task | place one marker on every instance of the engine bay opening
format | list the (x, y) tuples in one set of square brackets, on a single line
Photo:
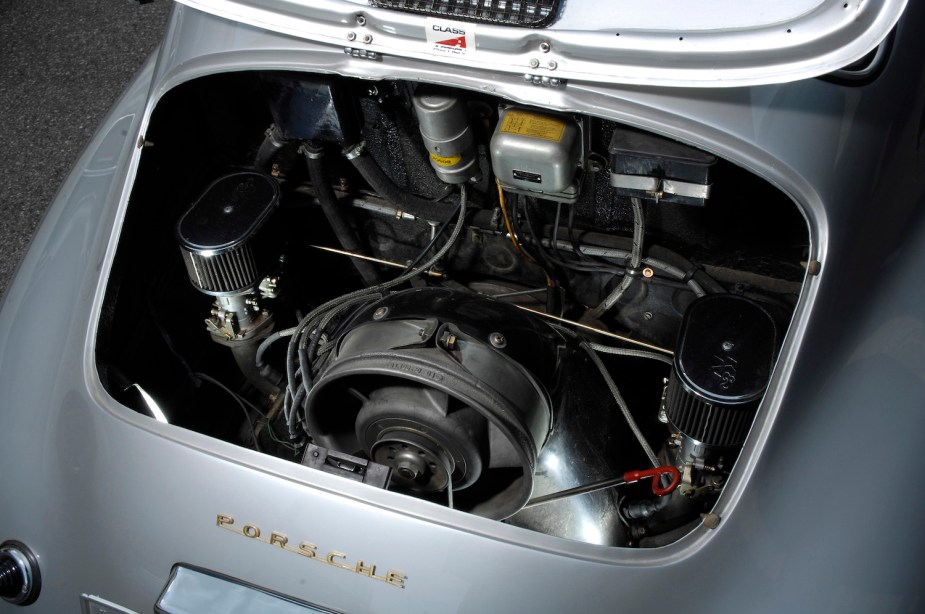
[(542, 317)]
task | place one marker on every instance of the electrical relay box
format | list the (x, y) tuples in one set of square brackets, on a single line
[(651, 167)]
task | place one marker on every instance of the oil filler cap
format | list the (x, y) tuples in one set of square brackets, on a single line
[(20, 580)]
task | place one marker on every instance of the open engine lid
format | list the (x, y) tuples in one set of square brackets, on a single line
[(681, 43)]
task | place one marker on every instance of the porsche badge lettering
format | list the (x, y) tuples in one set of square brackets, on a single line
[(310, 551)]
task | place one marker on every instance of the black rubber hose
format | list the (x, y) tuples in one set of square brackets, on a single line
[(386, 189), (269, 149), (339, 224)]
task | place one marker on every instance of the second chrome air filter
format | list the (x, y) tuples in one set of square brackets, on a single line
[(721, 369)]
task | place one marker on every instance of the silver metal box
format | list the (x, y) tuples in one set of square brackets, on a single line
[(537, 154)]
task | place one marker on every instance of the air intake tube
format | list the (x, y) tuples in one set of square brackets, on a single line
[(226, 245)]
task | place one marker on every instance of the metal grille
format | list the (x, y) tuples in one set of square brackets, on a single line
[(715, 425), (223, 273), (524, 13)]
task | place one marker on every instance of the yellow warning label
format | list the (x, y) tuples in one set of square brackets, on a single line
[(445, 160), (533, 125)]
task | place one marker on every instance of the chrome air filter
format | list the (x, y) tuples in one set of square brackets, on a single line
[(526, 13), (721, 369), (216, 234)]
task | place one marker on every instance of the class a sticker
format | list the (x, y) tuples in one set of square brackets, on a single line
[(450, 37)]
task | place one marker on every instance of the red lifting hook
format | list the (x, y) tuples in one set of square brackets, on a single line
[(656, 474), (628, 478)]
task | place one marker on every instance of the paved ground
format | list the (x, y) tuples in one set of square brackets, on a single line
[(62, 65)]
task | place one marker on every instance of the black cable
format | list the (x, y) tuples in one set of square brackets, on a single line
[(576, 246), (535, 239), (241, 399), (598, 265), (555, 228), (553, 261), (532, 244), (306, 336), (636, 257), (553, 302), (241, 403)]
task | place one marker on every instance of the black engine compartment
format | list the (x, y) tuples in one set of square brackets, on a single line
[(486, 379)]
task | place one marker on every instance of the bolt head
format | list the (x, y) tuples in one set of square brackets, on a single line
[(361, 20), (544, 47), (728, 345), (552, 65), (367, 38), (711, 521), (534, 63), (351, 36), (448, 340), (497, 340), (380, 313)]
